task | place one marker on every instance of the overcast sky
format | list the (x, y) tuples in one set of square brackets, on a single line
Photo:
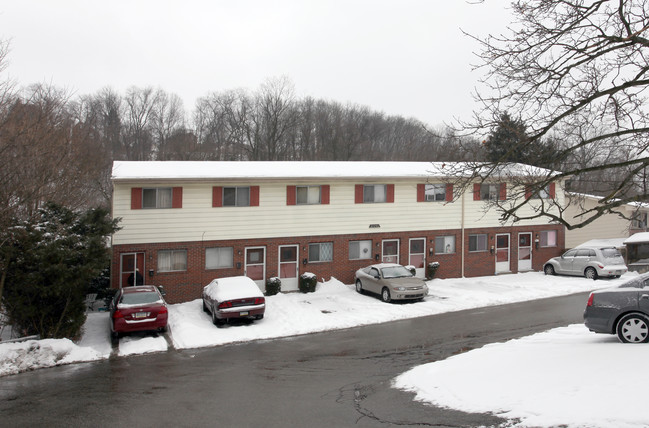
[(402, 57)]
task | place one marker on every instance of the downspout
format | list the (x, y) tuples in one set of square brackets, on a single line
[(462, 233)]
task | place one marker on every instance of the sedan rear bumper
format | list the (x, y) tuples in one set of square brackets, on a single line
[(120, 325), (241, 312)]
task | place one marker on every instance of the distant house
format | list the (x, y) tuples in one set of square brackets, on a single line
[(609, 226), (186, 223)]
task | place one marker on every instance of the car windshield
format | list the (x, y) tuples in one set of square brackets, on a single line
[(140, 298), (395, 272), (611, 253)]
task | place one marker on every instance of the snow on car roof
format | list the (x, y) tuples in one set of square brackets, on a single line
[(141, 170), (235, 287)]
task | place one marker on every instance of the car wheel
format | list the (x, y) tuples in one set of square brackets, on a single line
[(590, 273), (548, 270), (359, 286), (259, 317), (633, 328), (385, 295)]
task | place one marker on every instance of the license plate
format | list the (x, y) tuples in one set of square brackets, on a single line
[(243, 314), (140, 314)]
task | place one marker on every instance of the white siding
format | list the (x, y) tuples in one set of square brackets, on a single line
[(197, 220)]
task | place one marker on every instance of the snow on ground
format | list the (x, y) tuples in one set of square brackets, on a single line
[(581, 360), (563, 377)]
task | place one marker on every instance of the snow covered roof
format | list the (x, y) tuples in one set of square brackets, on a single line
[(610, 242), (142, 170), (637, 238)]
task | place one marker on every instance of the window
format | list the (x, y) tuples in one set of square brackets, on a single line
[(477, 243), (435, 192), (546, 192), (321, 252), (159, 197), (236, 196), (172, 260), (548, 238), (489, 192), (445, 244), (218, 258), (639, 221), (374, 193), (307, 195), (359, 250)]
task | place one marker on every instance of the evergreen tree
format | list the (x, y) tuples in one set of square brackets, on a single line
[(52, 259), (509, 142)]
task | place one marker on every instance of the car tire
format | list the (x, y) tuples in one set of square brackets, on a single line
[(385, 295), (205, 307), (260, 317), (633, 328), (590, 273), (359, 286), (548, 270)]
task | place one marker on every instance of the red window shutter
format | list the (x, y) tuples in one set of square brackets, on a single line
[(254, 196), (177, 197), (552, 190), (476, 191), (421, 192), (136, 198), (389, 197), (324, 194), (528, 192), (503, 191), (358, 194), (449, 192), (291, 196), (217, 196)]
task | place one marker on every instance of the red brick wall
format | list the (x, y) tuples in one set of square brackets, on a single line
[(187, 285)]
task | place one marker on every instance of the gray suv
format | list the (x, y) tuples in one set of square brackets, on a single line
[(591, 262)]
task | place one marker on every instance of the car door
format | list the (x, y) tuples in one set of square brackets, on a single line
[(373, 281), (580, 261), (565, 262)]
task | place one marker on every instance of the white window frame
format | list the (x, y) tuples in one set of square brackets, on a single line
[(446, 240), (544, 238), (163, 197), (375, 193), (173, 254), (435, 192), (478, 238), (313, 195), (320, 252), (223, 257), (363, 245), (241, 196)]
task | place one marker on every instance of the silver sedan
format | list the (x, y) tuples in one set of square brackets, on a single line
[(391, 281)]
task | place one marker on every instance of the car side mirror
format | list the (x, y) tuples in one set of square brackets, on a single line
[(377, 276), (162, 290)]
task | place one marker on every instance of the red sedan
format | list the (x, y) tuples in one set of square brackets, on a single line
[(138, 308)]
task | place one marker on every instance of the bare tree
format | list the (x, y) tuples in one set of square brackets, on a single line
[(141, 106), (576, 73)]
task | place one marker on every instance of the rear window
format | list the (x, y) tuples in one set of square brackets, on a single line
[(140, 298), (611, 253)]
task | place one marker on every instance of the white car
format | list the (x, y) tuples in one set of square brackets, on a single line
[(391, 281), (591, 262), (233, 297)]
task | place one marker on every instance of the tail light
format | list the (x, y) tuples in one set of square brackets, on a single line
[(226, 304), (590, 299), (118, 314), (260, 301), (163, 310)]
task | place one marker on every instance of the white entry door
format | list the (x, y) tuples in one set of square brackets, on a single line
[(289, 267), (524, 251), (255, 267), (418, 256), (502, 253)]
